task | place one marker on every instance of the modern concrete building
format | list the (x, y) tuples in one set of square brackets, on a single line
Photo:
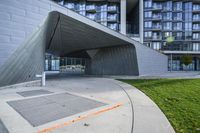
[(173, 27), (169, 26), (31, 28)]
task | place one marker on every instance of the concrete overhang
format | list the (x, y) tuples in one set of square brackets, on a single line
[(71, 35)]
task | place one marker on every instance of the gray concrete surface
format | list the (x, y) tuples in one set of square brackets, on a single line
[(44, 109), (3, 129), (33, 93), (147, 116)]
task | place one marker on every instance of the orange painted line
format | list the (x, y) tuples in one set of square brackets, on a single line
[(46, 130)]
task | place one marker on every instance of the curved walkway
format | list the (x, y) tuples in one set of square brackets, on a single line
[(126, 109)]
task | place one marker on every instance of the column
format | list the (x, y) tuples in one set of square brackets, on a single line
[(123, 17), (141, 20)]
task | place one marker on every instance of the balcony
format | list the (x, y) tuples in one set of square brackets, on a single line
[(112, 18), (156, 27), (177, 19), (112, 9), (177, 28), (91, 8), (196, 9), (196, 29), (156, 17), (156, 7), (156, 38), (196, 19)]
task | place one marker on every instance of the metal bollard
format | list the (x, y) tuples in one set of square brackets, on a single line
[(43, 78)]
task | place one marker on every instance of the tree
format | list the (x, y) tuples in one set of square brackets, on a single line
[(186, 59)]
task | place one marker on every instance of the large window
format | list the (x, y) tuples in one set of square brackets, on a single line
[(196, 7), (148, 25), (148, 14), (102, 16), (177, 26), (148, 4), (177, 6), (196, 47), (188, 6), (178, 35), (196, 36), (196, 17), (188, 26), (177, 16), (148, 35), (167, 16), (167, 6), (167, 25), (156, 45), (196, 26)]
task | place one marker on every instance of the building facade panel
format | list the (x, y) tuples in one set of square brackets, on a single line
[(171, 25)]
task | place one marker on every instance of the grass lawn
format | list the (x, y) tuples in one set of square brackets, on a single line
[(179, 99)]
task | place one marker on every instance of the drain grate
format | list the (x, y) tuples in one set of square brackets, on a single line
[(41, 110), (33, 93)]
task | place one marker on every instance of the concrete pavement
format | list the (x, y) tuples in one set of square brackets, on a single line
[(125, 108)]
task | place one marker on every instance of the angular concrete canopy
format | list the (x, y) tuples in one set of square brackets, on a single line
[(62, 32)]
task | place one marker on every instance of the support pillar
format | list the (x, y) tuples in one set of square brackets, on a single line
[(123, 17)]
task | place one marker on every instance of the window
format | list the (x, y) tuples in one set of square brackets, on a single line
[(167, 5), (156, 35), (167, 16), (102, 16), (178, 35), (112, 17), (177, 26), (178, 16), (196, 7), (188, 6), (167, 26), (81, 6), (148, 34), (196, 36), (70, 5), (147, 24), (156, 45), (157, 5), (196, 47), (167, 34), (188, 35), (157, 16), (196, 17), (102, 8), (188, 26), (147, 3), (148, 14), (177, 6), (196, 26)]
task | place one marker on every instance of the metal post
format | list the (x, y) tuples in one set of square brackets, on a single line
[(43, 79)]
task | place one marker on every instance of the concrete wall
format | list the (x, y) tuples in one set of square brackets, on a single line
[(119, 60)]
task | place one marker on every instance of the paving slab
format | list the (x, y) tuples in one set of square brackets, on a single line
[(33, 93)]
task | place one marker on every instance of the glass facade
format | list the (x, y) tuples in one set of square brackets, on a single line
[(103, 12), (53, 63), (171, 25)]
